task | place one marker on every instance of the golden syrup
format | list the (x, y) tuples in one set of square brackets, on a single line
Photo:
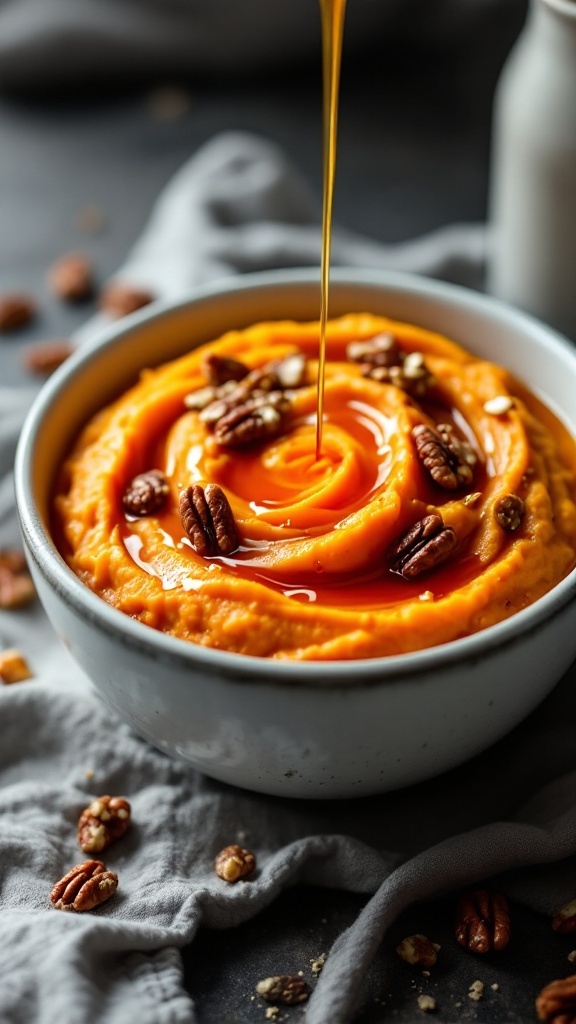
[(332, 13)]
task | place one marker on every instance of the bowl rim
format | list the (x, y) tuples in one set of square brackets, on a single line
[(156, 644)]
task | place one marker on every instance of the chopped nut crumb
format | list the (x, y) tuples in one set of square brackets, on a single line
[(417, 950), (271, 1012), (89, 773), (317, 964), (13, 666), (427, 1003), (476, 990), (495, 986), (572, 956)]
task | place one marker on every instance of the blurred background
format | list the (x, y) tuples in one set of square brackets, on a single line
[(102, 101)]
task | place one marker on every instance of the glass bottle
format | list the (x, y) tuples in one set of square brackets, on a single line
[(532, 203)]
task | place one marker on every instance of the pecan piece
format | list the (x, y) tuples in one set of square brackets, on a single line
[(463, 452), (103, 822), (84, 887), (16, 310), (381, 350), (16, 586), (284, 988), (208, 520), (565, 919), (220, 369), (426, 544), (118, 298), (13, 666), (418, 951), (70, 277), (440, 461), (411, 375), (46, 356), (146, 493), (482, 921), (234, 862), (509, 512), (556, 1002), (259, 418)]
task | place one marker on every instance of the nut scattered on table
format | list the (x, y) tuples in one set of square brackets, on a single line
[(565, 919), (418, 950), (103, 822), (84, 887), (234, 862), (476, 991), (284, 988), (13, 666), (119, 298), (70, 278), (16, 310), (482, 921), (45, 357), (427, 1003), (556, 1003), (16, 586)]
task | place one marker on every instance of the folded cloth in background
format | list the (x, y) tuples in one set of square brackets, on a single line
[(50, 42), (237, 206)]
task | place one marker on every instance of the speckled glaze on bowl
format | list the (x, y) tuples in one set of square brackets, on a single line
[(330, 729)]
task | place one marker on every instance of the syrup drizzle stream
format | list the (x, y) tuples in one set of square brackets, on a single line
[(332, 13)]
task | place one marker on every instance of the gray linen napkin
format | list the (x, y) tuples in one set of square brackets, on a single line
[(237, 206), (44, 42)]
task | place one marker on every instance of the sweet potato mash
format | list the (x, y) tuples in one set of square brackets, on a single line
[(442, 500)]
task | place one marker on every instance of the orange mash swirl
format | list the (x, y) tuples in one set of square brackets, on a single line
[(312, 578)]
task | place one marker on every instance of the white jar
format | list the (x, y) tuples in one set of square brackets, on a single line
[(532, 207)]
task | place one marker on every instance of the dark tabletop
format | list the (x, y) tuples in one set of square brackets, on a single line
[(414, 155)]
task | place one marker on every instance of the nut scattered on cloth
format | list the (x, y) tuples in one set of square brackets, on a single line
[(103, 822), (13, 666), (84, 887), (234, 862)]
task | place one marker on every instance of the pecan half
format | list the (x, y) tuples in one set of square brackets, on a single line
[(220, 369), (418, 951), (556, 1002), (146, 493), (482, 921), (16, 586), (284, 988), (565, 919), (440, 461), (381, 350), (103, 822), (259, 418), (509, 512), (118, 298), (46, 356), (16, 310), (84, 887), (13, 666), (425, 545), (208, 520), (234, 862), (463, 452), (70, 277)]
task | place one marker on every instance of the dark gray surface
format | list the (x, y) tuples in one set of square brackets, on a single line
[(414, 144)]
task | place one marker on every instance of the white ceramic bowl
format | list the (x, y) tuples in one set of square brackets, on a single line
[(332, 729)]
